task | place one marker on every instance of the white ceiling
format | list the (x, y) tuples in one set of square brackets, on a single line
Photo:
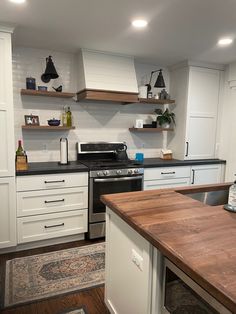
[(178, 29)]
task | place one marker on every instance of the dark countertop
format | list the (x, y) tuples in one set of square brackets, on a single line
[(197, 238), (75, 166), (52, 167), (158, 162)]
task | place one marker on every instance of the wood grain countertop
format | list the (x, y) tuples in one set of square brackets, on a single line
[(199, 239)]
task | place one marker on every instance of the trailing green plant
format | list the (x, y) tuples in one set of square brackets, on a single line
[(165, 117)]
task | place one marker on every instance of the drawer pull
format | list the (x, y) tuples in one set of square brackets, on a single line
[(57, 181), (172, 172), (53, 226), (55, 201)]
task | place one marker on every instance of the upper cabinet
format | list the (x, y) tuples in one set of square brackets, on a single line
[(7, 155), (196, 90)]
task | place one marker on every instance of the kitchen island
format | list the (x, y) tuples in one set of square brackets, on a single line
[(197, 238)]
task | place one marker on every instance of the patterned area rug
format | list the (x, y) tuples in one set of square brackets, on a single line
[(45, 275)]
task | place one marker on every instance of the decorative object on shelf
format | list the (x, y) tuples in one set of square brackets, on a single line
[(54, 122), (58, 89), (21, 158), (148, 125), (30, 83), (64, 151), (42, 88), (139, 123), (50, 71), (31, 120), (164, 95), (142, 91), (63, 116), (68, 118), (149, 95), (165, 119), (166, 154), (160, 83)]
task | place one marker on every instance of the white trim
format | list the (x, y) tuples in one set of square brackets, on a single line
[(6, 28), (188, 63)]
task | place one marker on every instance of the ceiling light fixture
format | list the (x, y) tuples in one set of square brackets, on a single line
[(225, 41), (139, 23), (17, 1)]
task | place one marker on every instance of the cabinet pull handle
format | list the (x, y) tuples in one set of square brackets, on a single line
[(187, 146), (55, 201), (193, 179), (57, 181), (171, 172), (53, 226)]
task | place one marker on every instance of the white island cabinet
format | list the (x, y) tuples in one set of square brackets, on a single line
[(7, 155), (128, 268)]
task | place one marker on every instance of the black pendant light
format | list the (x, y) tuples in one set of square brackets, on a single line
[(160, 83), (50, 71)]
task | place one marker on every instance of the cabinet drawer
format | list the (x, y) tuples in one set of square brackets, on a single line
[(166, 184), (49, 226), (50, 201), (51, 181), (166, 173)]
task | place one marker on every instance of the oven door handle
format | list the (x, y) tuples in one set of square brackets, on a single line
[(119, 179)]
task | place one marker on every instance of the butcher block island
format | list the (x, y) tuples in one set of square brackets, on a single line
[(162, 243)]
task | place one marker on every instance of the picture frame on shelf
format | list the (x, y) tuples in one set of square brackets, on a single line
[(31, 120)]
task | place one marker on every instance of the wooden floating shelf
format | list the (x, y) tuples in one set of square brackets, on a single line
[(107, 95), (32, 92), (156, 101), (47, 127), (149, 129)]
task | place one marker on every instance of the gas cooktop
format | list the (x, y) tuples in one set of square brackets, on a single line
[(109, 164)]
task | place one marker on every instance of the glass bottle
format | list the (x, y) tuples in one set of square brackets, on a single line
[(64, 116), (20, 150), (232, 195), (68, 118)]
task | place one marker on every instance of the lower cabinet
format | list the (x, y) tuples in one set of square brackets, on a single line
[(128, 268), (171, 177), (8, 212), (51, 206), (207, 174), (166, 177), (43, 227)]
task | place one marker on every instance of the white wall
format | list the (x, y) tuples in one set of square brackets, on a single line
[(93, 121)]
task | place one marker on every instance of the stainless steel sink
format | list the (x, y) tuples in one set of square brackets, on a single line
[(212, 198)]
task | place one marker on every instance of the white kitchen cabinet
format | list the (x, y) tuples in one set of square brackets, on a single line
[(207, 174), (166, 177), (196, 90), (8, 212), (128, 268), (51, 206), (7, 161)]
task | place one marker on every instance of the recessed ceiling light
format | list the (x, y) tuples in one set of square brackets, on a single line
[(225, 41), (17, 1), (139, 23)]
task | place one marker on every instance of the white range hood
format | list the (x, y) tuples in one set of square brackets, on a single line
[(106, 72)]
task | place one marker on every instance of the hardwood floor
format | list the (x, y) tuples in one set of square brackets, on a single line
[(91, 299)]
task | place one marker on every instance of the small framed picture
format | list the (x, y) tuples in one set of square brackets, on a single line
[(31, 120)]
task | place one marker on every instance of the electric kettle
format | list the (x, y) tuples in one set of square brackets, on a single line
[(121, 154)]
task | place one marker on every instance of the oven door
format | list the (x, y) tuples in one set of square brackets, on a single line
[(183, 295), (100, 186)]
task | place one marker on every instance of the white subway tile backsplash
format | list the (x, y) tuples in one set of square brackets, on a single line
[(94, 121)]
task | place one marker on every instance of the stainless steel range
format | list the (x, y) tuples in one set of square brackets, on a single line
[(110, 171)]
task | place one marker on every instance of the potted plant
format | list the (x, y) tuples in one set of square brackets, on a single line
[(164, 119)]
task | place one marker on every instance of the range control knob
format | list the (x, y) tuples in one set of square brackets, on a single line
[(99, 174), (136, 170), (118, 171), (106, 173), (130, 171)]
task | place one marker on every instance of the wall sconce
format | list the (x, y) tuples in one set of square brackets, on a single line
[(50, 71), (159, 82)]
